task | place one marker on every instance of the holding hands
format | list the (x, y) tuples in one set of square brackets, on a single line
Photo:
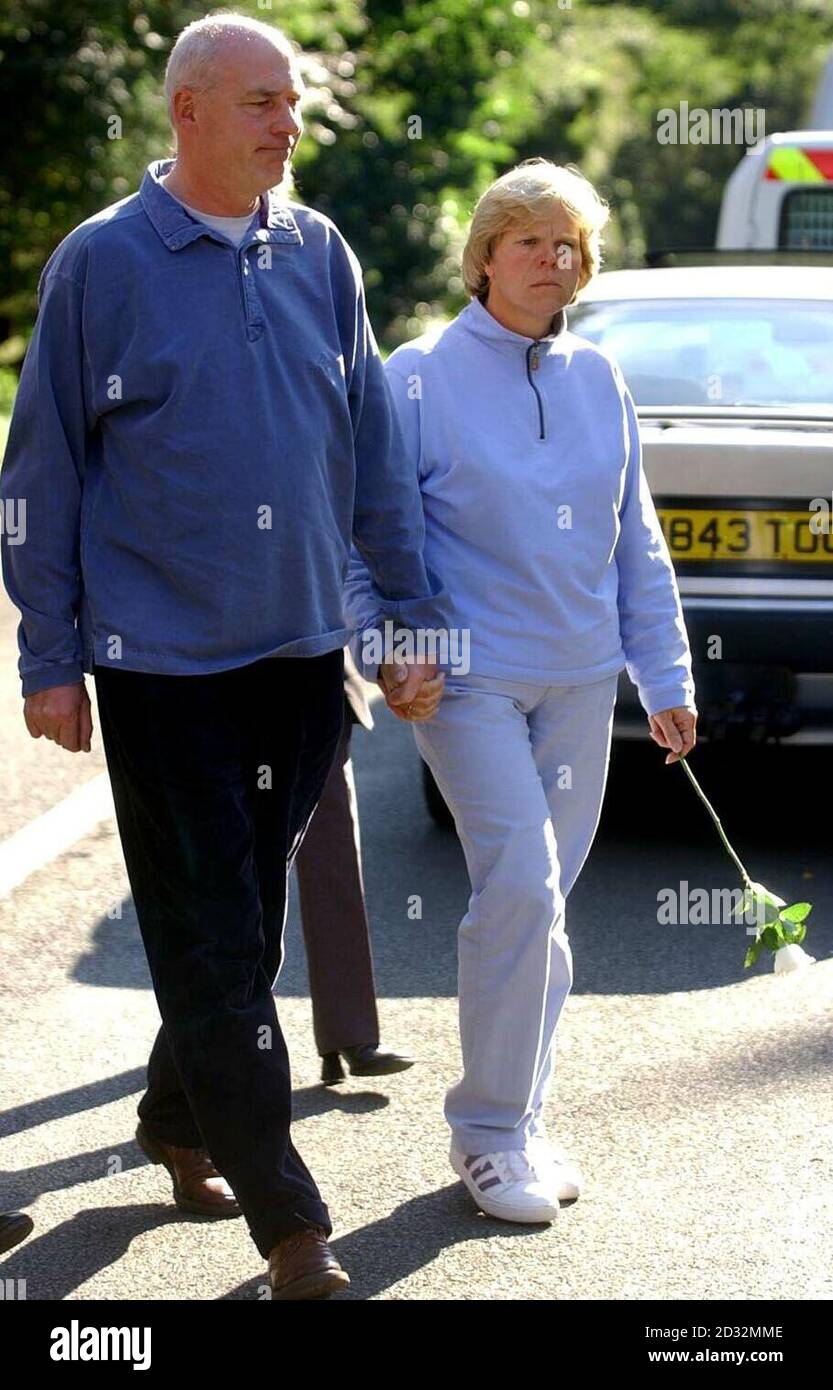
[(413, 692)]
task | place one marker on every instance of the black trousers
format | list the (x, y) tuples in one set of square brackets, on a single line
[(215, 779)]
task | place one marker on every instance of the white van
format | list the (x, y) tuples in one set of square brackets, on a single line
[(780, 196)]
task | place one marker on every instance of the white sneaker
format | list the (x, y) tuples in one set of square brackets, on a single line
[(512, 1185), (566, 1175)]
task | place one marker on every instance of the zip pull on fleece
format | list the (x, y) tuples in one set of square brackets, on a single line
[(533, 362)]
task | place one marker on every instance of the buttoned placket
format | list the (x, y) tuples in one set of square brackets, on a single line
[(252, 316), (251, 303), (179, 228), (263, 236)]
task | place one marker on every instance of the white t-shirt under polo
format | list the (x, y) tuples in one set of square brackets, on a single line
[(235, 228)]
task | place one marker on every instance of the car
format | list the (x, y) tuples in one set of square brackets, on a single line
[(731, 370)]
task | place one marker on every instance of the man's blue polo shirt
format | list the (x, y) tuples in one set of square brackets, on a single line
[(200, 433)]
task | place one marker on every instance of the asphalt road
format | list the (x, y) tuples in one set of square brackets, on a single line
[(695, 1095)]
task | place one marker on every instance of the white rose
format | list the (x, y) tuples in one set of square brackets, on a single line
[(789, 958)]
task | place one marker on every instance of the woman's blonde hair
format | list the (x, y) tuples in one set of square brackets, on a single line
[(530, 193)]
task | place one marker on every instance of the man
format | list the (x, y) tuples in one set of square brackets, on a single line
[(201, 430)]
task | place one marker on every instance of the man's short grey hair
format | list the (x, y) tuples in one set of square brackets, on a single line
[(194, 56)]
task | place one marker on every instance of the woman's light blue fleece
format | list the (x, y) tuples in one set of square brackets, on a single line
[(538, 516)]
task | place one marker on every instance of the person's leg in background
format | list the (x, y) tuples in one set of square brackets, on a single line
[(182, 753), (333, 916), (322, 716), (337, 933)]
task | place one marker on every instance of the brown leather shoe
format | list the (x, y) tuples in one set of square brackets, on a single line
[(15, 1226), (198, 1187), (302, 1265)]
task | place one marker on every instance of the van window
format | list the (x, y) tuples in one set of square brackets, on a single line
[(807, 219)]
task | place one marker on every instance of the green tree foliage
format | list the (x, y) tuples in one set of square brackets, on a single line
[(82, 81), (413, 107)]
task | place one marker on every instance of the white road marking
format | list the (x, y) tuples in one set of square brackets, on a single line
[(53, 833), (59, 828)]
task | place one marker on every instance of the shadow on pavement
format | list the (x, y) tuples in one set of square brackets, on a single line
[(765, 796), (320, 1100), (410, 1238), (22, 1188), (72, 1102), (382, 1253), (61, 1260)]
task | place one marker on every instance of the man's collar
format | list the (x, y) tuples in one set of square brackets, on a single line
[(177, 228)]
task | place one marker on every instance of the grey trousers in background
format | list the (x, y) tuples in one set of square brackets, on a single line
[(333, 914)]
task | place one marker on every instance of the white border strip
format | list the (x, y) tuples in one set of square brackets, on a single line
[(53, 833)]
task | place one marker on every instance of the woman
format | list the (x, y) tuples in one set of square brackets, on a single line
[(541, 526)]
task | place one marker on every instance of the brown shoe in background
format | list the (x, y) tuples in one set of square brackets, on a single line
[(302, 1265), (198, 1187)]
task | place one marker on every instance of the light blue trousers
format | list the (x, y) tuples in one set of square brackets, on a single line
[(523, 769)]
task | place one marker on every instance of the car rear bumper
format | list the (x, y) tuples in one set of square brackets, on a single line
[(763, 669), (793, 633)]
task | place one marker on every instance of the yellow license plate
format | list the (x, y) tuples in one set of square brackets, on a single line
[(709, 534)]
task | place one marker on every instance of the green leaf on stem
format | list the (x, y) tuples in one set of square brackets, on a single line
[(776, 928), (796, 912), (753, 952)]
